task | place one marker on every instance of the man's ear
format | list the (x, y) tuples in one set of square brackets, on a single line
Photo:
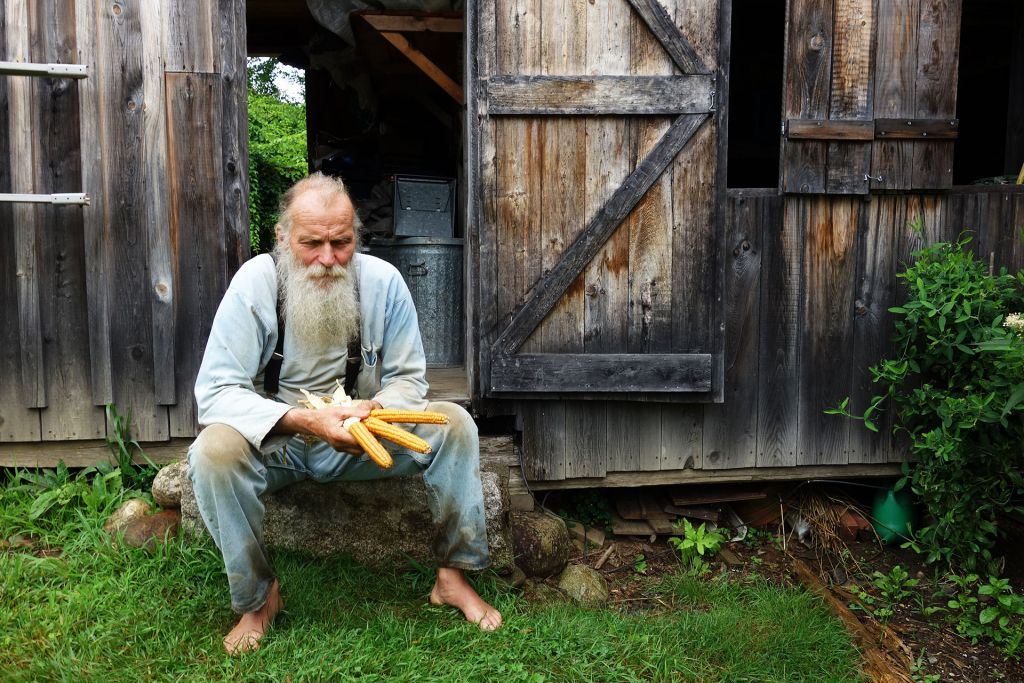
[(278, 233)]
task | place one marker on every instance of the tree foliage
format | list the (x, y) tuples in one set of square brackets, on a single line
[(277, 149)]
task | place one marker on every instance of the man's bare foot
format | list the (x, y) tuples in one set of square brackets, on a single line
[(245, 636), (452, 588)]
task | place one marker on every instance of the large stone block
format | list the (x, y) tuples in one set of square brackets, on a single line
[(377, 522)]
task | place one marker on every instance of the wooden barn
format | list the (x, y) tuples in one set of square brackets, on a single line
[(681, 219)]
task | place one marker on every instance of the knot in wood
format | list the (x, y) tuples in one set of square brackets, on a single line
[(817, 42)]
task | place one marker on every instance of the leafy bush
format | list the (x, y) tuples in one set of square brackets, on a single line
[(957, 384), (277, 150)]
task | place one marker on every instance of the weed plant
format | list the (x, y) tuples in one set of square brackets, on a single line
[(76, 607)]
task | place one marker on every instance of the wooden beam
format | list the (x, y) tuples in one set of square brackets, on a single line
[(433, 71), (806, 129), (610, 372), (547, 291), (668, 34), (917, 129), (575, 95), (743, 474), (413, 23)]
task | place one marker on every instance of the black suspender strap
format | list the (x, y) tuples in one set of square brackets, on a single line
[(272, 373)]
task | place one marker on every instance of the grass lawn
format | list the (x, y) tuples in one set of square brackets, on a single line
[(73, 608)]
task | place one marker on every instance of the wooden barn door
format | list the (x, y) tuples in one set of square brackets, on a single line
[(596, 171)]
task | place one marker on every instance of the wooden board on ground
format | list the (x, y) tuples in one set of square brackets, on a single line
[(623, 527), (633, 505), (708, 494), (709, 514)]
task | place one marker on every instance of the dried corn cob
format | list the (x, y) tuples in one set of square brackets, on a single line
[(410, 416), (369, 442), (396, 434)]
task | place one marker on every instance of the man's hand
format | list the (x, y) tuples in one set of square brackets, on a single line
[(326, 424)]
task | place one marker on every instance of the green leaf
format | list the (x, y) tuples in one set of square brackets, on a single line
[(988, 615)]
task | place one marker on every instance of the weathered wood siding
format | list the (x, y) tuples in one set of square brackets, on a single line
[(112, 302), (808, 287), (870, 95)]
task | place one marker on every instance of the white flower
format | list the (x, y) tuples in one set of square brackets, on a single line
[(1015, 322)]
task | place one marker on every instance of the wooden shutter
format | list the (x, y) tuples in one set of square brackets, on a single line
[(870, 95), (595, 164)]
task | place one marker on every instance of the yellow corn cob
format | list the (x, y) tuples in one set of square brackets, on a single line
[(410, 416), (396, 434), (370, 444)]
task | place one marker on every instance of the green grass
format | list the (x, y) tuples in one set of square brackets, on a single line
[(95, 612)]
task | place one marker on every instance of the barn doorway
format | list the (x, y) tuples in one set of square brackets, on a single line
[(385, 111)]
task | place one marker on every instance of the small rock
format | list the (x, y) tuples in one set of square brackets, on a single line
[(168, 484), (583, 585), (541, 593), (148, 531), (514, 579), (131, 510), (540, 543)]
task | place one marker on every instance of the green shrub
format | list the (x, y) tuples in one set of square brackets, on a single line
[(956, 384), (277, 151)]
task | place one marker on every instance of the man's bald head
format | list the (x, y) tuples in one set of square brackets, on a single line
[(327, 189)]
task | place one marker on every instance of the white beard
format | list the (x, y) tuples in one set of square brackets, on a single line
[(320, 304)]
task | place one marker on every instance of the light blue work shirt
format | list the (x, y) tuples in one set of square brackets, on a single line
[(229, 387)]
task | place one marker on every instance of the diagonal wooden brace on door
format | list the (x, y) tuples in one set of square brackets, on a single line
[(639, 372)]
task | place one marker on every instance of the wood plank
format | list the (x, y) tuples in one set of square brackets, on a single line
[(234, 132), (596, 95), (608, 163), (782, 238), (62, 297), (543, 295), (85, 453), (563, 175), (697, 261), (831, 129), (193, 36), (895, 88), (708, 495), (916, 129), (937, 63), (649, 437), (752, 474), (722, 44), (650, 223), (829, 267), (196, 192), (121, 72), (23, 131), (97, 248), (682, 436), (161, 289), (850, 96), (664, 29), (517, 168), (17, 422), (586, 438), (872, 323), (806, 96), (544, 440), (624, 436), (730, 428), (610, 372), (482, 218), (412, 23), (426, 65)]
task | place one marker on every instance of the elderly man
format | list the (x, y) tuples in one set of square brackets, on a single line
[(257, 441)]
